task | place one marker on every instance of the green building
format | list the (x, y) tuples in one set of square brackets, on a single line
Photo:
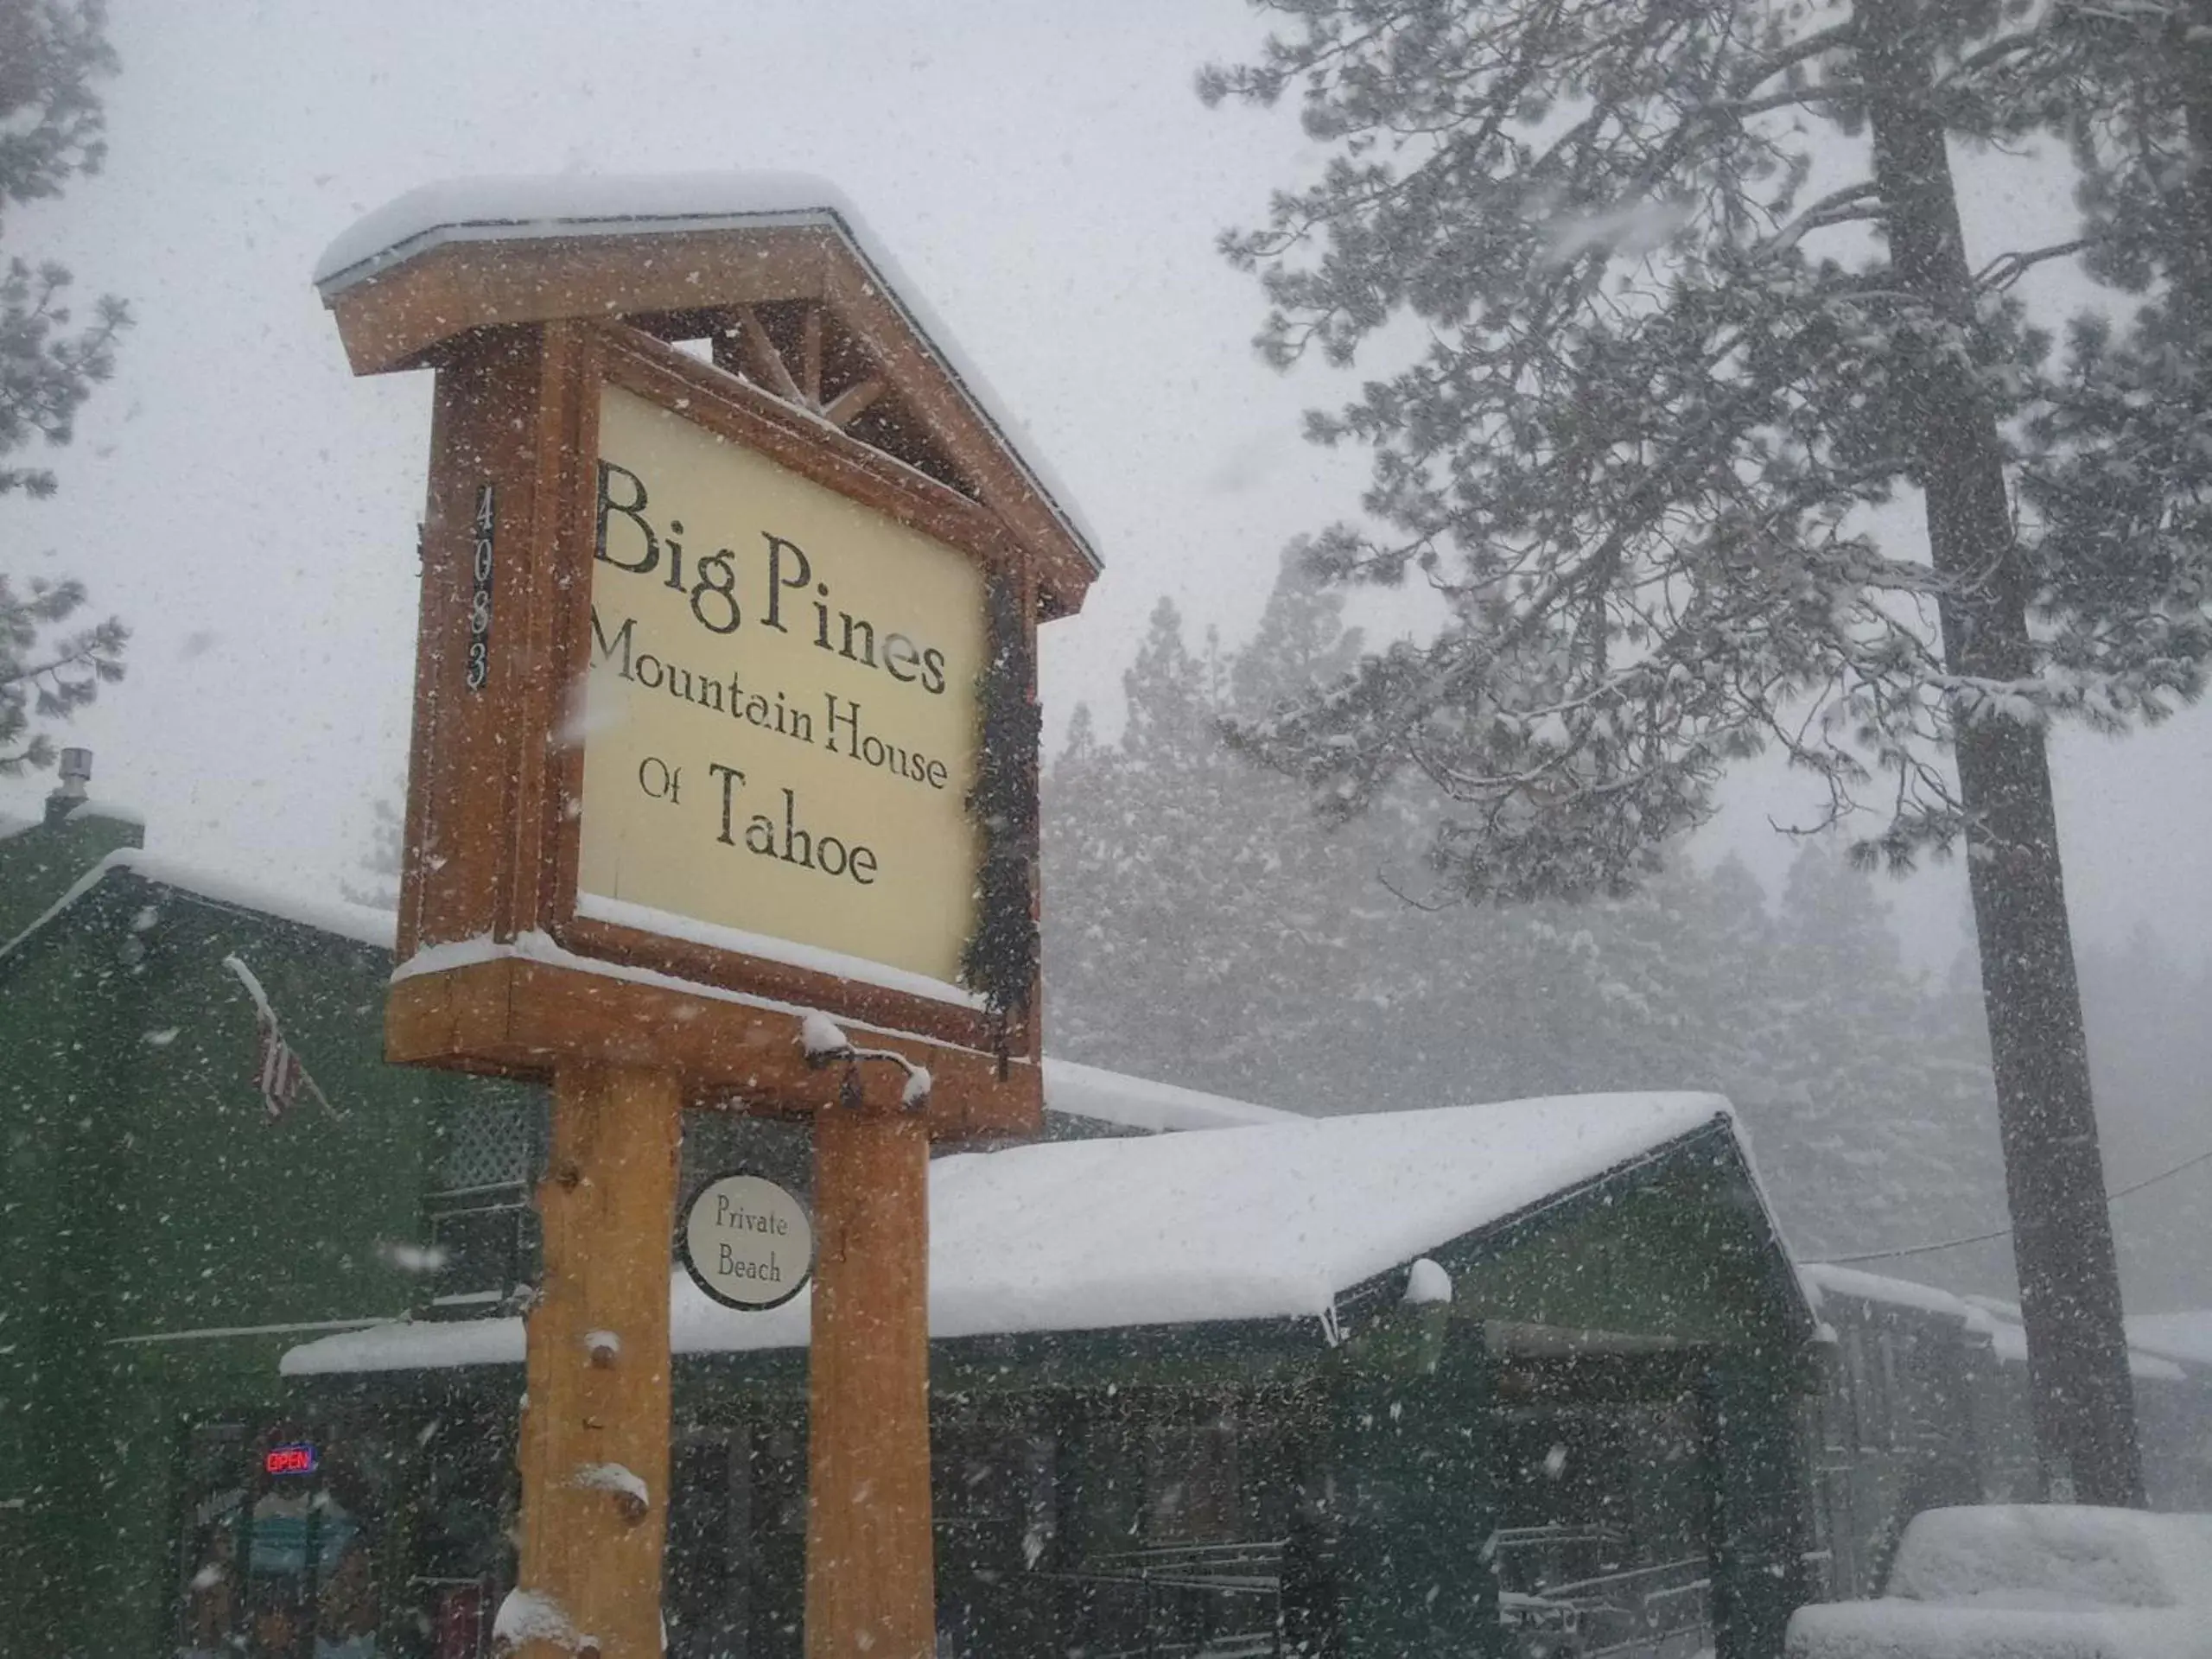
[(1207, 1378), (164, 1236)]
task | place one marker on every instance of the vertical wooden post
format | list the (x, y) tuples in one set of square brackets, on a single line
[(1756, 1468), (870, 1577), (595, 1421)]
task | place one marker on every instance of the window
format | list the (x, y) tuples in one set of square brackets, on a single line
[(482, 1227), (492, 1143)]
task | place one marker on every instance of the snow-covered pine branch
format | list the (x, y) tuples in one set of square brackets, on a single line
[(1641, 456)]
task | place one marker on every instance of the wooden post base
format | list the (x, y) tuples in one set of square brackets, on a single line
[(870, 1581), (596, 1420)]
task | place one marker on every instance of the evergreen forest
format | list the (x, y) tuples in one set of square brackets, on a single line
[(1203, 928)]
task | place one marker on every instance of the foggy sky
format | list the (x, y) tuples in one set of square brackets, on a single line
[(1042, 171)]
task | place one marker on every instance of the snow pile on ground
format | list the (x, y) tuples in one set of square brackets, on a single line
[(2058, 1554), (2029, 1581), (1910, 1629)]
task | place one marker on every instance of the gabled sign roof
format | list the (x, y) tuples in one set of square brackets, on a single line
[(756, 260)]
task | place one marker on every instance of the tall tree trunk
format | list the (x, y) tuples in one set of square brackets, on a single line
[(2083, 1396), (2190, 43)]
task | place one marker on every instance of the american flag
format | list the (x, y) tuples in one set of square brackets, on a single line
[(281, 1073), (283, 1078)]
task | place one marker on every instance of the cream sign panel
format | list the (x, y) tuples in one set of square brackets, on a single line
[(780, 716)]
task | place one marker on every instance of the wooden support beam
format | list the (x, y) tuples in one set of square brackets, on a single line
[(758, 356), (527, 1019), (1409, 1490), (809, 357), (869, 1563), (594, 1422), (853, 402)]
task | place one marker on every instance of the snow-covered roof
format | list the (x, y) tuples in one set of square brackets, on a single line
[(1820, 1278), (2183, 1336), (1140, 1103), (2011, 1344), (527, 208), (1999, 1320), (349, 921), (11, 826), (1273, 1221)]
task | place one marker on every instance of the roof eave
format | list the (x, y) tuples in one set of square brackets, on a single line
[(419, 246), (1718, 1134)]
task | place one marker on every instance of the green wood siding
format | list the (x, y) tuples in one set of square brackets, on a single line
[(146, 1192), (1407, 1496)]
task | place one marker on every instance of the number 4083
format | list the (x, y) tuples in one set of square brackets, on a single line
[(480, 595)]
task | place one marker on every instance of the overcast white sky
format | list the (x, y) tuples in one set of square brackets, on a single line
[(1041, 168)]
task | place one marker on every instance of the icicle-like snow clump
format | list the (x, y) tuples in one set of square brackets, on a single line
[(820, 1036), (1426, 1282), (612, 1478), (527, 1616)]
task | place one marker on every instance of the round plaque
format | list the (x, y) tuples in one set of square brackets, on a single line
[(747, 1242)]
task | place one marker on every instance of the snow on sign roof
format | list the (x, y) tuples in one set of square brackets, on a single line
[(526, 209), (515, 206), (1273, 1221)]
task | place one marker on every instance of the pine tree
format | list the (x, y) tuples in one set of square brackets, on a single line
[(2119, 463), (1301, 645), (1880, 1154), (2152, 1050), (1134, 958), (382, 862), (51, 51), (1196, 929), (1199, 929), (1660, 385)]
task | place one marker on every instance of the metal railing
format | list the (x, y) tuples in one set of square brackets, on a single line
[(1655, 1611), (1191, 1601)]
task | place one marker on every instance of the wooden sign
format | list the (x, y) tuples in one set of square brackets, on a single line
[(780, 719), (711, 643), (725, 721)]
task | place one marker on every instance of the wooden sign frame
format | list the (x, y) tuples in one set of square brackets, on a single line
[(495, 794), (529, 297)]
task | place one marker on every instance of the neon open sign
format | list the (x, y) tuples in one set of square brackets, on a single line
[(297, 1459)]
